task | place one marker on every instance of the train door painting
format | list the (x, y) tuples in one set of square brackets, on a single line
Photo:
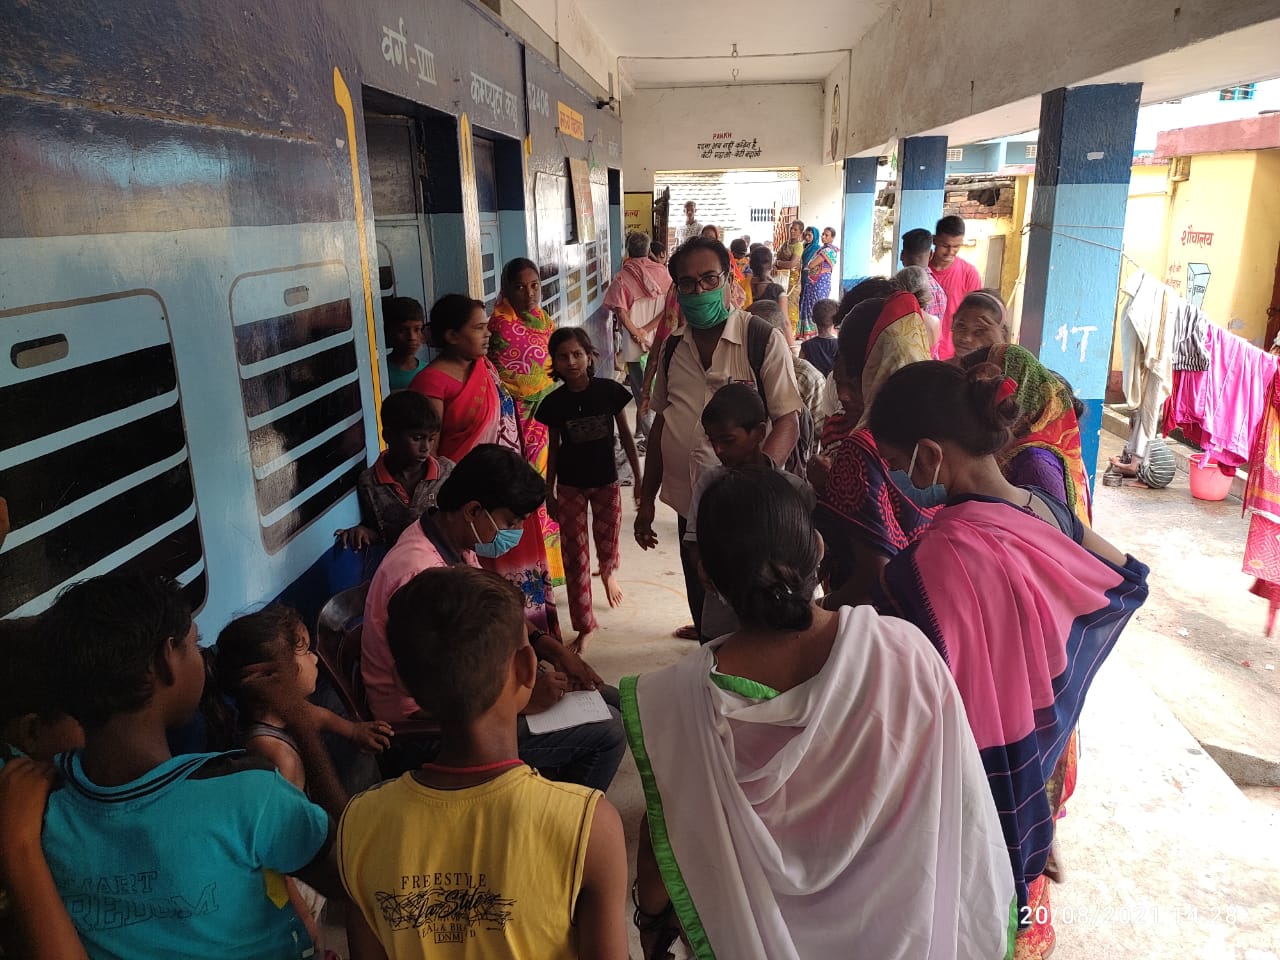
[(397, 165)]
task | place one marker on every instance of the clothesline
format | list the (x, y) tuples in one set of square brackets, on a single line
[(1054, 231)]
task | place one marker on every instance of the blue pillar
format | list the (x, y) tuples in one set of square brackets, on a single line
[(922, 178), (1083, 161), (859, 218)]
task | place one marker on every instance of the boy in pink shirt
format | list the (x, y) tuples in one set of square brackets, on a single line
[(958, 278)]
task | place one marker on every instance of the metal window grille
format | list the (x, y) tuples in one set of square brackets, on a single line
[(299, 381), (72, 396)]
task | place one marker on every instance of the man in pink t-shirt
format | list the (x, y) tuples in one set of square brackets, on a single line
[(958, 278)]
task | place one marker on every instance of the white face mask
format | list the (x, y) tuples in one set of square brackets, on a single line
[(911, 470)]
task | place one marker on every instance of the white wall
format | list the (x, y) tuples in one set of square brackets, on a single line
[(665, 126), (1205, 108), (566, 24), (927, 64)]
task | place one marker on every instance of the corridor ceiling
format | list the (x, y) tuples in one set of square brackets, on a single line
[(663, 43)]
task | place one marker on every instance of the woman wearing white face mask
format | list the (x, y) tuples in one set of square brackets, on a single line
[(1022, 601)]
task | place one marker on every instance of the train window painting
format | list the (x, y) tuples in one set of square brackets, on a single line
[(300, 386), (72, 397)]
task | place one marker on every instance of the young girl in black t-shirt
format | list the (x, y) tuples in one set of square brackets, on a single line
[(581, 416)]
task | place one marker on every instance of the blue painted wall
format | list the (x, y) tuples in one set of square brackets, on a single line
[(859, 217), (1073, 263), (922, 173), (977, 158)]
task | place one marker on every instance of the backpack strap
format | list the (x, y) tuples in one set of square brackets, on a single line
[(668, 351), (759, 333)]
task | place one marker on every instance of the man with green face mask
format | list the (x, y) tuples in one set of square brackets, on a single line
[(713, 350)]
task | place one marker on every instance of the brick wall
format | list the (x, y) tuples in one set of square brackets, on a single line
[(982, 204)]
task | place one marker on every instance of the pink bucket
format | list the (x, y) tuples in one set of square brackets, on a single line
[(1207, 481)]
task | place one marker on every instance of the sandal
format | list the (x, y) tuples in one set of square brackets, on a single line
[(687, 632)]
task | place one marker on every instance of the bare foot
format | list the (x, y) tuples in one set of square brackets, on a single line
[(579, 643), (612, 590), (1122, 468)]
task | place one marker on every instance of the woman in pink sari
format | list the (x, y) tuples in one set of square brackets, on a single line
[(519, 331), (475, 408), (1023, 602)]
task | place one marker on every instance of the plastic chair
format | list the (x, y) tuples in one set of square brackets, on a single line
[(338, 635)]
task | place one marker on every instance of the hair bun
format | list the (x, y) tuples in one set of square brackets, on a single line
[(993, 396)]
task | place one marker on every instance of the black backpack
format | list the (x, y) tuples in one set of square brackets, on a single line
[(759, 333)]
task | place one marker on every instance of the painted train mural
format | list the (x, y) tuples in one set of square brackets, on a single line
[(201, 207)]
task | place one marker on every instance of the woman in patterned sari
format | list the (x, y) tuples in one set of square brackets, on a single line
[(818, 267), (519, 332), (475, 408), (790, 257), (864, 516)]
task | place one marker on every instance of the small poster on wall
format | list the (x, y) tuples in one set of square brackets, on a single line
[(583, 209), (637, 212)]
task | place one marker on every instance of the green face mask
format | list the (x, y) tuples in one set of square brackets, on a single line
[(705, 309)]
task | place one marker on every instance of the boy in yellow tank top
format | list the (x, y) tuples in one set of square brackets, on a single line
[(475, 855)]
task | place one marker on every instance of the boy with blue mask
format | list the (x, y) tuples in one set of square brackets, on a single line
[(480, 512)]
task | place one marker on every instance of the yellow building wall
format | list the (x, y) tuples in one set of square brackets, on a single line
[(1146, 218), (1014, 240), (1146, 225), (1256, 277), (1208, 220)]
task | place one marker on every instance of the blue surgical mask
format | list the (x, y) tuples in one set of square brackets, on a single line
[(504, 541)]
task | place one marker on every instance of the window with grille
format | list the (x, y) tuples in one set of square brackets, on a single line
[(1241, 91), (75, 395), (295, 349), (1031, 150), (761, 215), (954, 154)]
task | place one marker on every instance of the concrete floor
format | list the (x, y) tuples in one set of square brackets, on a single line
[(1165, 856)]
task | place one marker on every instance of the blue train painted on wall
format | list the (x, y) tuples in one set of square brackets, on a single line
[(201, 207)]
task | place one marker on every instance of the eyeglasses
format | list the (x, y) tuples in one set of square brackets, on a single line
[(706, 282)]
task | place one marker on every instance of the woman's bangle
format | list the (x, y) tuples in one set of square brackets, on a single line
[(650, 922)]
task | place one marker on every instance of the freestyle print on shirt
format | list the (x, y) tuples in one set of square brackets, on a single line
[(445, 907)]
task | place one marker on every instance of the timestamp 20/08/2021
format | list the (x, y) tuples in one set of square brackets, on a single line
[(1132, 914)]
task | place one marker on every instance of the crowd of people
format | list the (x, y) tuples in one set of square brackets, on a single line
[(884, 528)]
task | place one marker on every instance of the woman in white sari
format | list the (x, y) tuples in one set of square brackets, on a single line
[(811, 782)]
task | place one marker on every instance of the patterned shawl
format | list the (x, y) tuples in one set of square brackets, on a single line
[(1048, 421), (898, 338), (518, 347)]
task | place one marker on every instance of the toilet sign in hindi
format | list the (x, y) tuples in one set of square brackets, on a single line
[(570, 122)]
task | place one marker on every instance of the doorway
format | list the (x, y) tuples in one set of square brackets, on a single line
[(490, 231), (397, 166)]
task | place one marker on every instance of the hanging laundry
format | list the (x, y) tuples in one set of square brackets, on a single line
[(1262, 496), (1220, 409), (1190, 338), (1146, 345)]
